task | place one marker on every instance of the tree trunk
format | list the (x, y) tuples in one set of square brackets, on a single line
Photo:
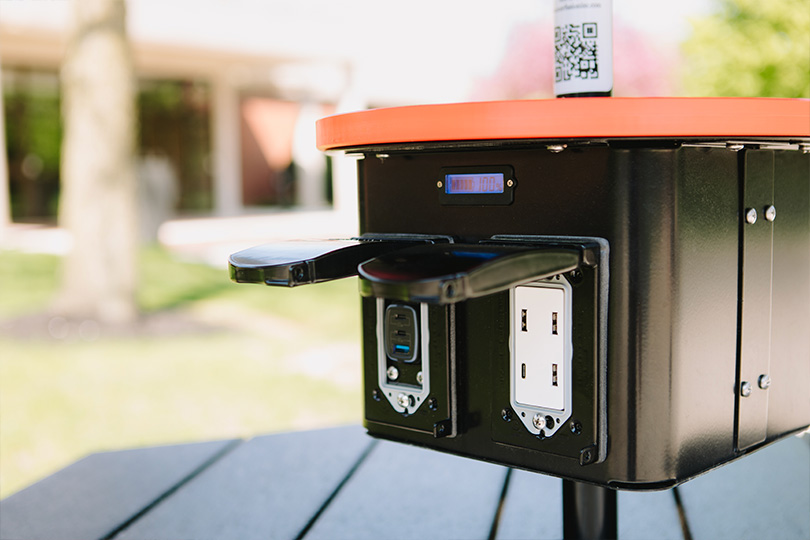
[(5, 208), (99, 184)]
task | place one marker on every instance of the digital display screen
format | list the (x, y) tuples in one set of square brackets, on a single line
[(476, 185), (484, 183)]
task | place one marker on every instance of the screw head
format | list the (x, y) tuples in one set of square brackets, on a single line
[(751, 216), (404, 400), (510, 183), (539, 421), (555, 148), (576, 428), (745, 389), (506, 414), (770, 212), (439, 184), (393, 373), (764, 381), (298, 273), (375, 395), (433, 404), (419, 377)]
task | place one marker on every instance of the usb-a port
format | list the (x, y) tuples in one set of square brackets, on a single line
[(402, 349)]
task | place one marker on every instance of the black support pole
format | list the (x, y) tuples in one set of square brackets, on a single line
[(589, 512)]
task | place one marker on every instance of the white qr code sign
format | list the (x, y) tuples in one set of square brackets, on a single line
[(583, 47)]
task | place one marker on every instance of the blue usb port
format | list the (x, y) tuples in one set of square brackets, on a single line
[(402, 349)]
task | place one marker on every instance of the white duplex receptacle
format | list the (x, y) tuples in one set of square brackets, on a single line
[(540, 364)]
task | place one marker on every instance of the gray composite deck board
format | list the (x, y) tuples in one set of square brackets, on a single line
[(532, 508), (406, 492), (92, 497), (763, 495), (648, 514), (269, 487), (339, 483)]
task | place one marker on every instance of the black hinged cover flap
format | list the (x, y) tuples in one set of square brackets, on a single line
[(449, 273), (314, 261)]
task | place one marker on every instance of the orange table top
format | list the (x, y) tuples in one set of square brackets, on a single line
[(569, 118)]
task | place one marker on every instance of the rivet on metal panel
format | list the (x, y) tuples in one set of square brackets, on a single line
[(745, 389), (588, 454), (770, 213), (441, 429), (510, 183), (555, 148), (439, 184), (751, 216), (764, 381)]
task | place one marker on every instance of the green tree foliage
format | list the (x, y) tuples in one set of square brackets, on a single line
[(750, 48)]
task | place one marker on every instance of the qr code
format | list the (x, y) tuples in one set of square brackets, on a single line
[(575, 52)]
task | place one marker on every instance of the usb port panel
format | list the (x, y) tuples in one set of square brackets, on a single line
[(403, 367)]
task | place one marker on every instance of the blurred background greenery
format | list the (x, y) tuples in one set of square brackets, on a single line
[(750, 48), (210, 359)]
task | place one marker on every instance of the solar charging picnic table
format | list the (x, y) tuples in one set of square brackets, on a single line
[(337, 483)]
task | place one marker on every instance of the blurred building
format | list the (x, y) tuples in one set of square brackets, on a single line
[(221, 120), (229, 91)]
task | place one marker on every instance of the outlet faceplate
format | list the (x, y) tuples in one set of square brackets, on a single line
[(541, 355), (403, 325)]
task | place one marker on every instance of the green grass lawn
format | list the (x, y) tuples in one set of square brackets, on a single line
[(218, 360)]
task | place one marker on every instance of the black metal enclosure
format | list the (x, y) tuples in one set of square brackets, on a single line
[(627, 312)]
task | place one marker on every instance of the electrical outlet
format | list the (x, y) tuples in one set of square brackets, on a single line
[(540, 371)]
